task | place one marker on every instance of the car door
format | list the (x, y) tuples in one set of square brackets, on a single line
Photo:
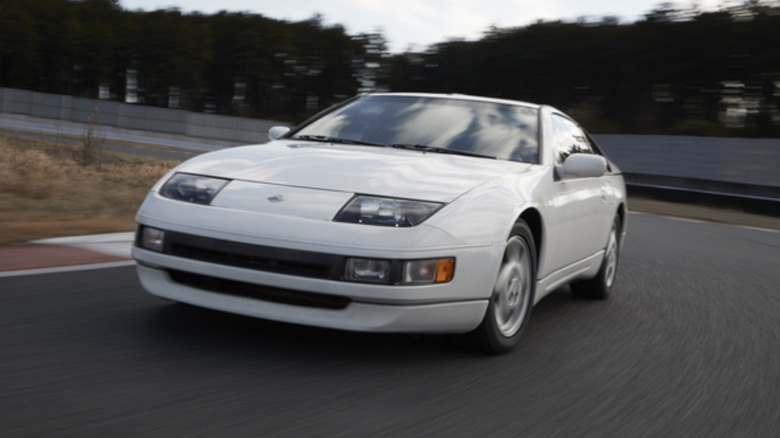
[(579, 204)]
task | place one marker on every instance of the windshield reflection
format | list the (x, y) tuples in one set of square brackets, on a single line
[(503, 131)]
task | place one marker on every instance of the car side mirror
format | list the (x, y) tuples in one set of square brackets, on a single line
[(277, 132), (582, 166)]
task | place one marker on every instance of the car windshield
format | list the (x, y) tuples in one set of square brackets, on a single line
[(431, 124)]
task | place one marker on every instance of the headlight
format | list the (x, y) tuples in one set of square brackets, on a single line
[(386, 212), (150, 238), (192, 188), (367, 270)]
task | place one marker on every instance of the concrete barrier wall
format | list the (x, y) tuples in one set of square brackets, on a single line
[(742, 162)]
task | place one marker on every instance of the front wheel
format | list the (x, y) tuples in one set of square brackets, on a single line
[(512, 297)]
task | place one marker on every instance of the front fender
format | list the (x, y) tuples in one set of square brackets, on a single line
[(486, 214)]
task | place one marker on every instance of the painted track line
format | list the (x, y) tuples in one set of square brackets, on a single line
[(62, 269)]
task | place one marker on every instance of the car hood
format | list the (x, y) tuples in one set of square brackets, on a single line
[(353, 169)]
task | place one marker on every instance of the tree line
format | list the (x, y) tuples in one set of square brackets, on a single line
[(676, 71)]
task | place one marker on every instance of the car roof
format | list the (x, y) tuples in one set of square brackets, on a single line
[(459, 97)]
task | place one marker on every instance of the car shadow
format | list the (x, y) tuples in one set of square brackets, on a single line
[(176, 323), (199, 330)]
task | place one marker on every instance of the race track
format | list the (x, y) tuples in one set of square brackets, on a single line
[(689, 346)]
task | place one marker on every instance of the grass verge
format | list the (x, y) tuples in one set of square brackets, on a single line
[(703, 213), (46, 191)]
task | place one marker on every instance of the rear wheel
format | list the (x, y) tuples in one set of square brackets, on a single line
[(600, 286), (511, 300)]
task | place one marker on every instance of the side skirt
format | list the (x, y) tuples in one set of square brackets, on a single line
[(585, 268)]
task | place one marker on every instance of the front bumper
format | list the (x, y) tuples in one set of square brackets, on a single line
[(454, 307), (448, 317)]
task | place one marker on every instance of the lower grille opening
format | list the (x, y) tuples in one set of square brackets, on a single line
[(254, 261), (264, 293)]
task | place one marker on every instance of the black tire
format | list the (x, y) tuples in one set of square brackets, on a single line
[(600, 286), (512, 296)]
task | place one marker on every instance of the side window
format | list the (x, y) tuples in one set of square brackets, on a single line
[(568, 139)]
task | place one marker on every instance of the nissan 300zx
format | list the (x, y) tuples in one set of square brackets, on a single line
[(392, 212)]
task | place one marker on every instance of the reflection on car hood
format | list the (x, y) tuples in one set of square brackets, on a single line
[(355, 169)]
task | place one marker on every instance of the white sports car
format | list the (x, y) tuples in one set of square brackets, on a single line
[(392, 212)]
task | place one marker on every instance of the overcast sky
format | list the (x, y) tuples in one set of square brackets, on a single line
[(416, 24)]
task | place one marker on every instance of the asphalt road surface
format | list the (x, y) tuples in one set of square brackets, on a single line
[(689, 346)]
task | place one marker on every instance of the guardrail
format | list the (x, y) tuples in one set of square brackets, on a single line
[(740, 173), (733, 172)]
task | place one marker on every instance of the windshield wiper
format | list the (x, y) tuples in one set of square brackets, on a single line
[(326, 139), (409, 146), (438, 150)]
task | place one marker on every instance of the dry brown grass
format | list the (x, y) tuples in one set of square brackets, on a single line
[(45, 192)]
